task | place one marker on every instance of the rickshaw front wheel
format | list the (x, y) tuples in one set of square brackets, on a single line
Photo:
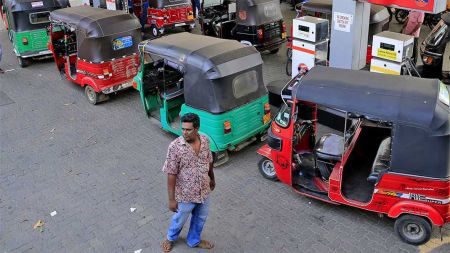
[(267, 169), (23, 62), (413, 229)]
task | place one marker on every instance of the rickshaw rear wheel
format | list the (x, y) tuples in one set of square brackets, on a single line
[(23, 62), (9, 35), (188, 28), (92, 96), (274, 51), (155, 31), (413, 229), (267, 169)]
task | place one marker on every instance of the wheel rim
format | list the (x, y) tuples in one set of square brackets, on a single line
[(90, 94), (155, 32), (413, 231), (268, 168)]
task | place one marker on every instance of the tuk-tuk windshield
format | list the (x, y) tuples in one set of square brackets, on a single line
[(439, 32), (283, 117)]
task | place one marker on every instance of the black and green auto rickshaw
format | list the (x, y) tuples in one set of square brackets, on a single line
[(220, 80), (27, 22)]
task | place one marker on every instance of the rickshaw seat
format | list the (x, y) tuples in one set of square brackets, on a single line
[(382, 160), (330, 147)]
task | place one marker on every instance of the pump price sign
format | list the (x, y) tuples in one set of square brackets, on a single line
[(433, 6), (387, 54)]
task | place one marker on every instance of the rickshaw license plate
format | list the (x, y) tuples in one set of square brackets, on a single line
[(283, 35), (266, 118)]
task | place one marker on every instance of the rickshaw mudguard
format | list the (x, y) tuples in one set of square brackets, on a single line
[(419, 209), (90, 81), (265, 151)]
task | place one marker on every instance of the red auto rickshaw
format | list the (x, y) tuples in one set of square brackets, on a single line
[(392, 157), (95, 48), (166, 14)]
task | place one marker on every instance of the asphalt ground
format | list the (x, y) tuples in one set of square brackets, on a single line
[(91, 164)]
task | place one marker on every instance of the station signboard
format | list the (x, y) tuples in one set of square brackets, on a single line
[(431, 6)]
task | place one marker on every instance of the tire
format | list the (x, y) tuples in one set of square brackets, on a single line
[(289, 53), (188, 29), (401, 15), (9, 35), (274, 51), (413, 229), (91, 95), (289, 67), (23, 63), (267, 169), (155, 31)]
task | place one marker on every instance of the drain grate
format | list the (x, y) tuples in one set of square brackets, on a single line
[(4, 99)]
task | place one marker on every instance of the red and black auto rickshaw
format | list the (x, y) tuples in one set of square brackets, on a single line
[(95, 48), (166, 14), (392, 158)]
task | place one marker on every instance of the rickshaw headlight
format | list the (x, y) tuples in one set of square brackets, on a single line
[(25, 41), (226, 127)]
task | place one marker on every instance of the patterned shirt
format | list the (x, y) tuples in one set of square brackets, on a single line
[(192, 184), (414, 18)]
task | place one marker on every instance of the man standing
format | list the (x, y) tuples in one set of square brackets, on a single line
[(190, 179), (196, 8), (412, 27)]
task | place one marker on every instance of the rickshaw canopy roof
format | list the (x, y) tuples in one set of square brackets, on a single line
[(257, 12), (204, 53), (96, 22), (399, 99), (446, 18), (218, 75), (27, 5)]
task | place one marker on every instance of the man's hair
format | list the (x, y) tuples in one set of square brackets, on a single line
[(191, 118)]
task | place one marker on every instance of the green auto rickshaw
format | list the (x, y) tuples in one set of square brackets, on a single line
[(220, 80), (27, 21)]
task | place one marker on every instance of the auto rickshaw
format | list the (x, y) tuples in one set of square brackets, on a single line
[(220, 80), (257, 23), (168, 14), (435, 51), (393, 156), (26, 22), (95, 48)]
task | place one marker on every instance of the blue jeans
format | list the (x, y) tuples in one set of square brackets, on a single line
[(199, 213)]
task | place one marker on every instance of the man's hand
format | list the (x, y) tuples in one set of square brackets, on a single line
[(173, 205), (212, 185)]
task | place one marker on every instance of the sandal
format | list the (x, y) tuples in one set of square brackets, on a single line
[(204, 244), (167, 245)]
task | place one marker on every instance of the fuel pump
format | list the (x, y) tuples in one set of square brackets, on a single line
[(310, 42), (391, 52)]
